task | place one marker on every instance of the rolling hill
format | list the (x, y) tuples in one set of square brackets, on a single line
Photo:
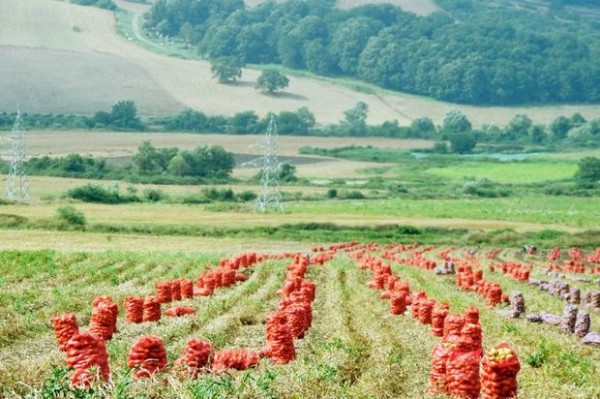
[(63, 58)]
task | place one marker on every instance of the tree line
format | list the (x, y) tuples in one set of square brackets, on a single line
[(456, 128), (519, 56), (169, 165)]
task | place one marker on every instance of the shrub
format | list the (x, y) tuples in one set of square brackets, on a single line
[(99, 194), (351, 195), (71, 216), (247, 196), (154, 195)]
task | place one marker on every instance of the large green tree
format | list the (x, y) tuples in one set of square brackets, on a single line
[(355, 121), (227, 69), (124, 116), (271, 80)]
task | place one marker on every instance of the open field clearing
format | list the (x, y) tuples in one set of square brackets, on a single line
[(521, 172), (522, 214), (419, 7), (104, 144), (353, 348), (65, 241), (38, 37)]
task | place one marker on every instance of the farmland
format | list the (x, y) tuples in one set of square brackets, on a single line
[(399, 207), (343, 354), (48, 269), (39, 36)]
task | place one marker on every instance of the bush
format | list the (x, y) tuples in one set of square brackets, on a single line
[(247, 196), (351, 195), (71, 216), (154, 195), (99, 194), (332, 193), (484, 188)]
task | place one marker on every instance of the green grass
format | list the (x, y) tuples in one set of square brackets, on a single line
[(355, 348), (504, 172), (567, 211)]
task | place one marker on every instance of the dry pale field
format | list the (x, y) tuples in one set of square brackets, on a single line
[(419, 7), (60, 143), (59, 57), (113, 144)]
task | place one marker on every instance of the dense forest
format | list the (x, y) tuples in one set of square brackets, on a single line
[(473, 52)]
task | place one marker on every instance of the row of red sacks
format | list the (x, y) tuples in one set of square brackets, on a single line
[(576, 256), (571, 266), (456, 361), (147, 354), (465, 277), (514, 270), (103, 322)]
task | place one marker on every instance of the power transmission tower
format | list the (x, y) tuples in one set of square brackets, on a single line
[(270, 196), (17, 185)]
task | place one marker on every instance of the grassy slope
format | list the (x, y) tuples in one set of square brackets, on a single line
[(355, 348), (84, 37)]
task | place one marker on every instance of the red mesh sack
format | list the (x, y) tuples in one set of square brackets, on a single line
[(175, 290), (397, 303), (228, 277), (238, 359), (114, 309), (87, 354), (453, 325), (499, 369), (179, 311), (134, 309), (472, 315), (151, 309), (187, 288), (494, 295), (280, 340), (102, 321), (425, 310), (297, 319), (310, 289), (195, 357), (437, 377), (65, 327), (417, 298), (470, 338), (149, 355), (163, 292), (438, 316), (462, 374)]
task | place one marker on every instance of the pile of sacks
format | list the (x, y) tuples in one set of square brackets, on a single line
[(293, 317)]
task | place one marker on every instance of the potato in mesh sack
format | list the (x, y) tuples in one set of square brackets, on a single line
[(499, 369), (134, 309), (238, 359), (65, 326), (148, 354), (195, 357), (86, 354)]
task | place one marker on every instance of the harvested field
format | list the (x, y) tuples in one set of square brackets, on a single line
[(60, 143), (351, 347), (38, 37), (419, 7)]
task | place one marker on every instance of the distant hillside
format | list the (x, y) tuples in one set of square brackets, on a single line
[(419, 7), (475, 52), (58, 58)]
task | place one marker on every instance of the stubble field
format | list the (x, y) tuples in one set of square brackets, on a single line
[(39, 37)]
